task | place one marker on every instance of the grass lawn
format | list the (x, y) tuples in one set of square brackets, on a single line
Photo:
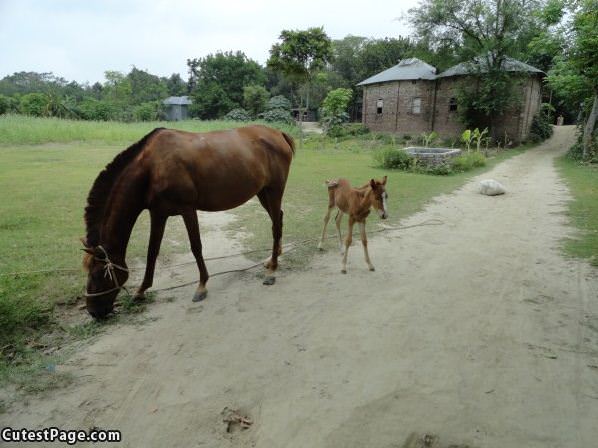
[(43, 189), (583, 210)]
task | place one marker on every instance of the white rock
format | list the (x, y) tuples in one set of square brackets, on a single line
[(491, 187)]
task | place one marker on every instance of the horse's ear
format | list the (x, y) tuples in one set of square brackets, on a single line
[(373, 184), (384, 180), (86, 247)]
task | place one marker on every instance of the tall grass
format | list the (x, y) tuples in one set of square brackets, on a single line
[(25, 130)]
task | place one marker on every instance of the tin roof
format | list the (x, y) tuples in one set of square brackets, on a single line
[(177, 100), (411, 68), (414, 68), (480, 64)]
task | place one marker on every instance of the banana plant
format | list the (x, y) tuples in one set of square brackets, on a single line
[(479, 137), (467, 138), (428, 139)]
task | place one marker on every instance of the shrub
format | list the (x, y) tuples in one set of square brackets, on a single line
[(348, 130), (254, 99), (394, 159), (8, 104), (467, 161), (146, 111), (278, 115), (34, 104), (92, 109), (278, 102), (541, 128), (238, 115)]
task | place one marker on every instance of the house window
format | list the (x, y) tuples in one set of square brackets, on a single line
[(379, 106), (416, 106), (453, 105)]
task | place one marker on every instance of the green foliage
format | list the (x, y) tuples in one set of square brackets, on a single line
[(348, 130), (278, 102), (254, 99), (34, 104), (277, 115), (219, 80), (468, 161), (541, 127), (147, 111), (5, 104), (428, 138), (336, 102), (92, 109), (300, 54), (238, 115), (393, 158), (467, 138)]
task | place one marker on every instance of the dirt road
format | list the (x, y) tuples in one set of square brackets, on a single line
[(478, 331)]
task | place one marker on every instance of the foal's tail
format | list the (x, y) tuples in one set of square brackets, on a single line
[(290, 141)]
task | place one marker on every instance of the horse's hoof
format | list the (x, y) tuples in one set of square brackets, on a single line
[(199, 296), (139, 297), (343, 271), (372, 268), (269, 280)]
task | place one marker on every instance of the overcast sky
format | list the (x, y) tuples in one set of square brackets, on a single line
[(80, 39)]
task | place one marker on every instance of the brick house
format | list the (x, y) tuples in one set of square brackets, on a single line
[(411, 98)]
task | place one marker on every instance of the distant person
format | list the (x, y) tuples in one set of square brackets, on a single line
[(560, 120)]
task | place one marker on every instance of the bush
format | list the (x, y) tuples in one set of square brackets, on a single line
[(278, 115), (348, 130), (541, 128), (238, 115), (254, 99), (146, 111), (8, 104), (278, 102), (34, 104), (92, 109), (394, 159), (467, 161)]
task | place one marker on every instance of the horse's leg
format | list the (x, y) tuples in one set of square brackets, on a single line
[(190, 218), (326, 219), (158, 222), (364, 243), (348, 242), (271, 200), (338, 219)]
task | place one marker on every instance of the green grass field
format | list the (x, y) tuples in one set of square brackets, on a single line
[(43, 189), (583, 210)]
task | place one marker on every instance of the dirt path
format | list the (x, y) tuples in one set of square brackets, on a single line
[(478, 331)]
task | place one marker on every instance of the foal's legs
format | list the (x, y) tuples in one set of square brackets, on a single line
[(338, 219), (158, 222), (326, 219), (348, 242), (190, 218), (364, 243), (271, 200)]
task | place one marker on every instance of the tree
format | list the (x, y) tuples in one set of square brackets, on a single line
[(301, 54), (175, 85), (218, 81), (576, 72), (334, 107), (486, 32), (145, 87), (254, 99), (35, 104)]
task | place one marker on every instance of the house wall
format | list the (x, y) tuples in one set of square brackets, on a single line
[(397, 112), (397, 116)]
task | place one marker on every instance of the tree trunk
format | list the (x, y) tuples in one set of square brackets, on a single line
[(589, 128)]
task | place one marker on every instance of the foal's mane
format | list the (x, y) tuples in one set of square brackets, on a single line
[(102, 186)]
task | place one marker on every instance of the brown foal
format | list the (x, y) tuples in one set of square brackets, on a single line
[(356, 202)]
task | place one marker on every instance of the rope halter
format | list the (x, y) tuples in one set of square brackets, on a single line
[(109, 272)]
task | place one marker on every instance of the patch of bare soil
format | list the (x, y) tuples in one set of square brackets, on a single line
[(476, 333)]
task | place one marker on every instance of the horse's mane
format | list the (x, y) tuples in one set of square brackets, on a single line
[(102, 186)]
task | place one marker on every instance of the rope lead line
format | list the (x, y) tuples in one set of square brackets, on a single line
[(290, 246)]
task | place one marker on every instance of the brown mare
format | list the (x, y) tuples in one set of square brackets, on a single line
[(172, 172), (356, 202)]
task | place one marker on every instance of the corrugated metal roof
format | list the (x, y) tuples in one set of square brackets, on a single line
[(411, 68), (480, 64), (177, 100)]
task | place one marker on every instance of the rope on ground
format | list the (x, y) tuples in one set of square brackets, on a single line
[(287, 248)]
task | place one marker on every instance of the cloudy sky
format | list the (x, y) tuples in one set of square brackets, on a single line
[(80, 39)]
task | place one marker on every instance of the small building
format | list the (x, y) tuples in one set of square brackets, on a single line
[(410, 98), (177, 107)]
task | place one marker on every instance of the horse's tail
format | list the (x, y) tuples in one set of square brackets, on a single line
[(290, 141)]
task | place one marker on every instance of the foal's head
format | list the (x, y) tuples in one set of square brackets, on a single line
[(104, 280), (380, 196)]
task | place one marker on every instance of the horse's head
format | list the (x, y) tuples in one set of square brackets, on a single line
[(104, 280), (380, 196)]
